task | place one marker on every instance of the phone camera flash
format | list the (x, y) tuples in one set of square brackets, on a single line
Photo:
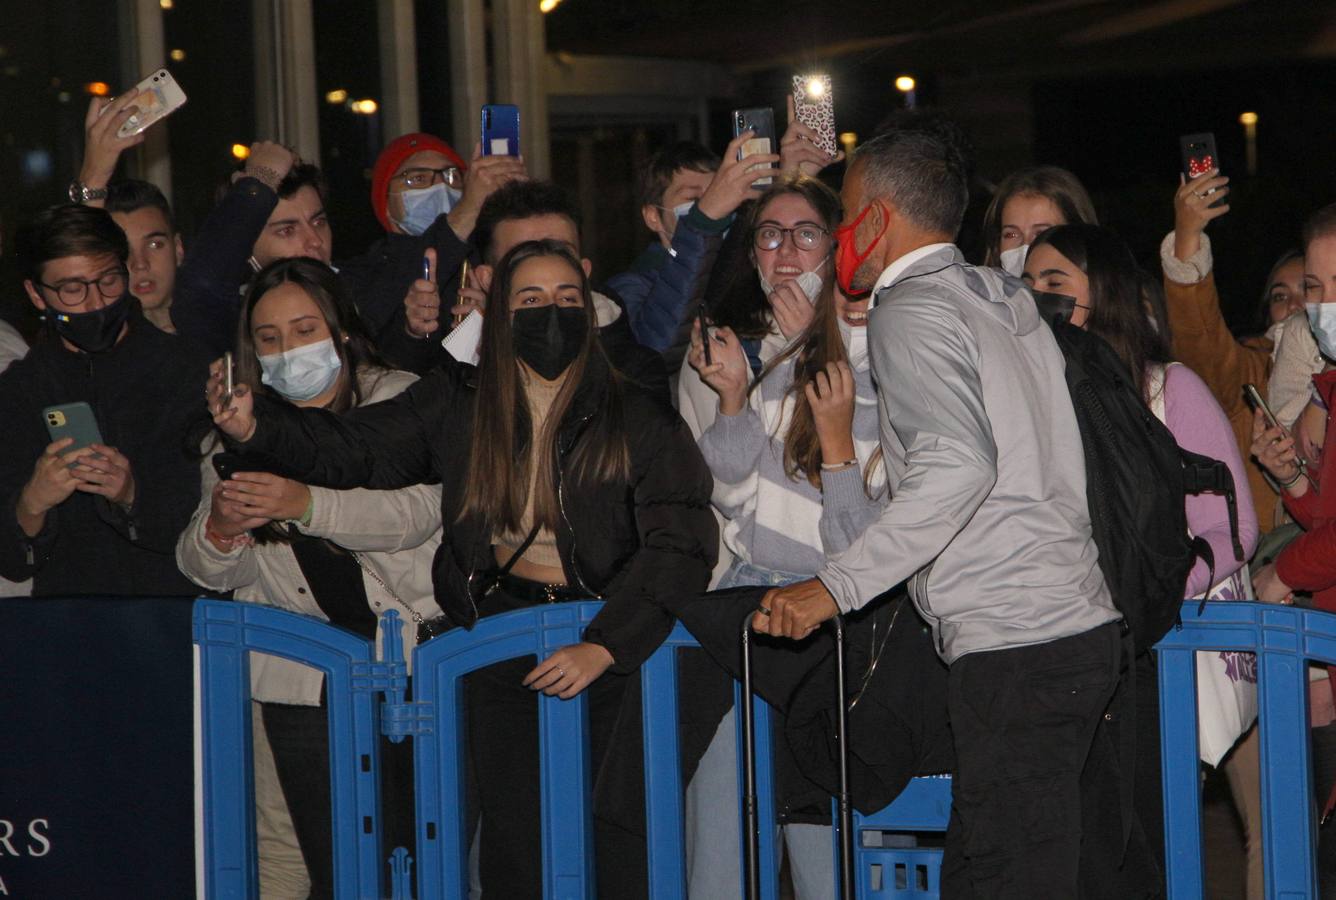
[(815, 87)]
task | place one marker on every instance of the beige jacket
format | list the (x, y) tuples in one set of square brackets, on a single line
[(394, 533)]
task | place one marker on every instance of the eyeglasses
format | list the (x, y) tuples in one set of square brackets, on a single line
[(72, 292), (413, 179), (805, 237)]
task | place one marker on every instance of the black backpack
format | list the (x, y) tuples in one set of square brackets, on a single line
[(1136, 479)]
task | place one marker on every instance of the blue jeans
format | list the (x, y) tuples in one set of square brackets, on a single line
[(714, 841)]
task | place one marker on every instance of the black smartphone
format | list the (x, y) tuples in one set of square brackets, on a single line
[(500, 130), (226, 465), (704, 334), (1199, 154), (760, 121)]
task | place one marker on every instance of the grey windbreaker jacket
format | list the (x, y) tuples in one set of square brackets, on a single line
[(988, 506)]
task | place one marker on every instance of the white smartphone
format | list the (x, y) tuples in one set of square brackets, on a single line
[(159, 96), (228, 387)]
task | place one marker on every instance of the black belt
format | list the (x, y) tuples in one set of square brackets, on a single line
[(535, 592)]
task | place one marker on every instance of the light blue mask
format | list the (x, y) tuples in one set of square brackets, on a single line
[(1322, 320), (422, 206), (302, 373)]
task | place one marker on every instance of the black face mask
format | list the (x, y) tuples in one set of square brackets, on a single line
[(1054, 306), (549, 338), (92, 332)]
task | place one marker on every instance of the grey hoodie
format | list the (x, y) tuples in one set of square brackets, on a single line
[(988, 492)]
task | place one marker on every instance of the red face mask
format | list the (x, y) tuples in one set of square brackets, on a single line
[(847, 257)]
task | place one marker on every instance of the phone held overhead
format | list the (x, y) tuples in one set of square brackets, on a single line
[(159, 96), (760, 121), (500, 130), (814, 106)]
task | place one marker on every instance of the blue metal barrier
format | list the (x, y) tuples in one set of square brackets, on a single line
[(225, 633), (1285, 640)]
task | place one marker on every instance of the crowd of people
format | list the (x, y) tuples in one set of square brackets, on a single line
[(801, 400)]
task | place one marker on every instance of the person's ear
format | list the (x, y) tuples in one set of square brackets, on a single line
[(587, 266), (180, 250), (34, 295), (484, 274), (653, 217)]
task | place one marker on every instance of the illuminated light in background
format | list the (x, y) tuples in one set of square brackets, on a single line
[(336, 97), (1248, 118), (364, 107), (97, 88), (905, 83), (240, 151), (177, 55), (1249, 122), (546, 6), (848, 140), (165, 4), (815, 87)]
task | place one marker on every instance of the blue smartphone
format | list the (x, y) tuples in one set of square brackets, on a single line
[(500, 130)]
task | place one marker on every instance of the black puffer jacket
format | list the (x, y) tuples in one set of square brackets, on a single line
[(630, 543)]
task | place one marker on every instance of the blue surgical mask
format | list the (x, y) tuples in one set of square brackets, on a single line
[(422, 206), (1322, 320), (302, 373)]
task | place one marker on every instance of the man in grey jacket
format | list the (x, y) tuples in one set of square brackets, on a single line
[(987, 518)]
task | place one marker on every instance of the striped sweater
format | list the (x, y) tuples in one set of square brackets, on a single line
[(777, 522)]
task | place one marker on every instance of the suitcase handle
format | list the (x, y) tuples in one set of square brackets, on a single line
[(751, 840)]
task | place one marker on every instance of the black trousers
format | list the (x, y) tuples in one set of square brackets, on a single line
[(1023, 721), (502, 718), (299, 737)]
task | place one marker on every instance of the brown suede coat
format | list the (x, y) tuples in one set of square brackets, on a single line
[(1203, 343)]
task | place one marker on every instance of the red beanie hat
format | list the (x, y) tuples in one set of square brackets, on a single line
[(392, 157)]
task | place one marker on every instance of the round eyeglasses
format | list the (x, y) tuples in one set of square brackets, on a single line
[(414, 179), (72, 292), (805, 237)]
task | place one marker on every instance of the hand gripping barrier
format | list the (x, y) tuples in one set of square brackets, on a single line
[(225, 633), (1285, 639)]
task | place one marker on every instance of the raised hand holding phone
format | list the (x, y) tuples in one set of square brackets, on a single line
[(103, 146), (758, 125), (422, 303), (728, 374), (733, 182), (235, 417)]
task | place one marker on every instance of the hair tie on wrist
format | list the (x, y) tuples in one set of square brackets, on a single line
[(833, 467)]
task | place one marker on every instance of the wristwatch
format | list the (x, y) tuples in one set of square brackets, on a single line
[(82, 193)]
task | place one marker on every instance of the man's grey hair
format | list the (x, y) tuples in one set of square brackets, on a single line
[(920, 167)]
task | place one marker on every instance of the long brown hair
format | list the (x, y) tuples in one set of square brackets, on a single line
[(1056, 184), (502, 446)]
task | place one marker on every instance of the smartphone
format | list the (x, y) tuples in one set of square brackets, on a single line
[(814, 106), (500, 130), (704, 334), (1255, 399), (761, 122), (159, 96), (228, 375), (226, 465), (1199, 155), (463, 283), (74, 420)]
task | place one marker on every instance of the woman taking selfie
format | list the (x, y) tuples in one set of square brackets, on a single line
[(795, 458), (342, 556), (559, 482), (1111, 297)]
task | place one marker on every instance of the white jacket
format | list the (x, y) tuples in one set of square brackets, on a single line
[(394, 533)]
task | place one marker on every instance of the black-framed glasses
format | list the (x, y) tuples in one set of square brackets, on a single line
[(416, 178), (804, 237), (72, 292)]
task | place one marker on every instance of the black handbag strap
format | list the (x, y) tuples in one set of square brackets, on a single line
[(519, 551)]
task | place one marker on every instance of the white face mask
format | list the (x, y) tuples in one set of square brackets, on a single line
[(1322, 319), (810, 282), (855, 343), (679, 213), (302, 373), (1013, 260)]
